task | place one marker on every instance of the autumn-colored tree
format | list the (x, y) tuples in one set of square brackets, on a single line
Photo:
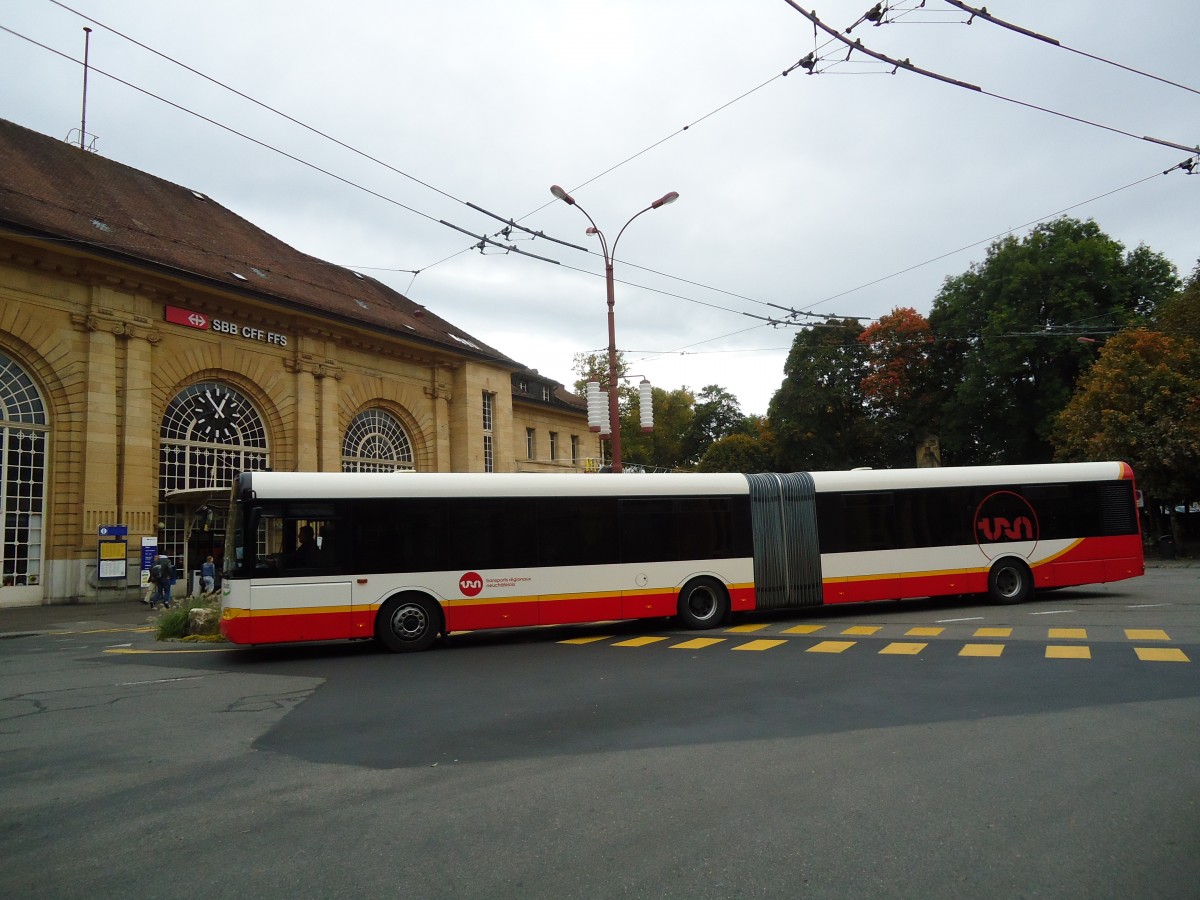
[(1140, 403), (896, 389)]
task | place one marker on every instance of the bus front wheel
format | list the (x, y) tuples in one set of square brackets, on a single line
[(1010, 582), (703, 603), (408, 623)]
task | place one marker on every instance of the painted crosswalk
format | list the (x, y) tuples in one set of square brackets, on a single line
[(981, 642)]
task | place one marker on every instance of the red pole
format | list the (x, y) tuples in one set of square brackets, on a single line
[(614, 411)]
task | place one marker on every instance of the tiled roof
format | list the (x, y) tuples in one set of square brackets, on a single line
[(527, 384), (53, 189)]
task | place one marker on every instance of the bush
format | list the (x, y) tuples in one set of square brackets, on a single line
[(173, 625)]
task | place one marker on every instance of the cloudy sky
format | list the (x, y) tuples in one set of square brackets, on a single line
[(850, 191)]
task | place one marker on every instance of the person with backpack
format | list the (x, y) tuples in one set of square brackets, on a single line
[(160, 577)]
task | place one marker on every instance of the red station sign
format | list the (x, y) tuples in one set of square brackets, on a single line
[(178, 316)]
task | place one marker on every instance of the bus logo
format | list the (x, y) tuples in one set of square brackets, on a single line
[(470, 584), (1002, 518)]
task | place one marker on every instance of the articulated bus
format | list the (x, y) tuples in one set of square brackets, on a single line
[(406, 557)]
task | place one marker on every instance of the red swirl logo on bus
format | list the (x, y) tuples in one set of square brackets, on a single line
[(1005, 517), (470, 584)]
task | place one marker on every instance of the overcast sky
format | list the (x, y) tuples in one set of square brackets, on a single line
[(827, 193)]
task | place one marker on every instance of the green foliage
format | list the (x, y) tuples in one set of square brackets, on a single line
[(594, 367), (818, 415), (1180, 315), (738, 453), (1140, 403), (664, 446), (173, 624), (716, 414), (1008, 332)]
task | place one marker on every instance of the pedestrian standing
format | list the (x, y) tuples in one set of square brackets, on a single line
[(208, 576)]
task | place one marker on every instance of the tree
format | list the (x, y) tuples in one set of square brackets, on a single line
[(1140, 403), (716, 414), (897, 390), (817, 414), (737, 453), (664, 446), (594, 367), (1008, 329), (1180, 315)]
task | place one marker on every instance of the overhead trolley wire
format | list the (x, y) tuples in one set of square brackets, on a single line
[(908, 65), (483, 239), (982, 13)]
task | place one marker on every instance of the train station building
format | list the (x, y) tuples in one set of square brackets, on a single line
[(153, 344)]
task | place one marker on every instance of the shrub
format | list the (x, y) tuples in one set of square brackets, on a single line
[(173, 625)]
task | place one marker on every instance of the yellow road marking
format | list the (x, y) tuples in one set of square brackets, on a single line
[(697, 643), (1065, 634), (143, 629), (830, 647), (923, 632), (745, 629), (904, 648), (759, 645), (639, 641), (587, 640), (803, 629), (993, 632), (862, 629), (1146, 634), (185, 649), (982, 649), (1073, 651), (1160, 654)]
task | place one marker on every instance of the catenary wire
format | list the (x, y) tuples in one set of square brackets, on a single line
[(908, 66), (982, 13), (504, 247)]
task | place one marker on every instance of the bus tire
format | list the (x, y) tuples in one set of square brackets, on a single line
[(408, 623), (703, 603), (1009, 582)]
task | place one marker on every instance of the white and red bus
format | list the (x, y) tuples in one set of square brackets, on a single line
[(406, 557)]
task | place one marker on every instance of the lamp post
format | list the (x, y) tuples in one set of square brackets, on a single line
[(614, 416)]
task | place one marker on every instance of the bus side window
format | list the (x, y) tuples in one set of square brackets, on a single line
[(268, 542), (313, 545)]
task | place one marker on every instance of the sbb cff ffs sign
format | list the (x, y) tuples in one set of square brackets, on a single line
[(176, 315)]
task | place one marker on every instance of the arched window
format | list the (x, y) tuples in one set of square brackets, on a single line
[(23, 431), (376, 442), (210, 432)]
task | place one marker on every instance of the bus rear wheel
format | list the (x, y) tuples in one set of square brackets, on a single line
[(408, 623), (1010, 582), (703, 603)]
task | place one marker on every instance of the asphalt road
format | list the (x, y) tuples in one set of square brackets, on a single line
[(814, 755)]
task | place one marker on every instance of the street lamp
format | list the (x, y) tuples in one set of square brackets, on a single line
[(614, 417)]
